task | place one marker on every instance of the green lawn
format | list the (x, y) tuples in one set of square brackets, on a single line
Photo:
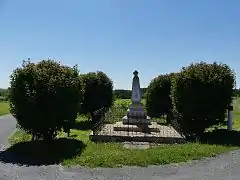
[(125, 102), (92, 154), (114, 155), (79, 150), (4, 108), (236, 114)]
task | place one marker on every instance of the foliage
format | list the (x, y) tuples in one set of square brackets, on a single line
[(122, 102), (201, 94), (144, 93), (44, 97), (236, 92), (126, 94), (98, 92), (125, 102), (122, 94), (3, 94), (158, 100)]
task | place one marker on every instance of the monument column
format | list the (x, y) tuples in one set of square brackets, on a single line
[(135, 112)]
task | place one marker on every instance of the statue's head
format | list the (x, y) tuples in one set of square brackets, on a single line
[(135, 73)]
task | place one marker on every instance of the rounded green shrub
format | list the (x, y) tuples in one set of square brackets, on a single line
[(201, 94), (158, 100), (44, 97), (98, 92)]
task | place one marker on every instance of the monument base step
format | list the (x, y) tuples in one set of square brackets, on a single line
[(119, 126), (136, 110), (135, 121)]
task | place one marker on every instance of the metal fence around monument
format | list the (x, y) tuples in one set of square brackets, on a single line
[(105, 116), (99, 119), (109, 123)]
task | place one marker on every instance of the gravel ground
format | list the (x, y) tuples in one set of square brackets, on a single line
[(223, 167)]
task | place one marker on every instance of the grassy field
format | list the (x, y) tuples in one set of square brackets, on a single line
[(4, 108), (236, 114), (124, 102)]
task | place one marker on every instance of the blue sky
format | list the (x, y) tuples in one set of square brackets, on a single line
[(119, 36)]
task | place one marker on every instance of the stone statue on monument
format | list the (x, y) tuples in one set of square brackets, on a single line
[(136, 113), (136, 90)]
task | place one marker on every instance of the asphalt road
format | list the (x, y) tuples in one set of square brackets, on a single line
[(223, 167), (7, 127)]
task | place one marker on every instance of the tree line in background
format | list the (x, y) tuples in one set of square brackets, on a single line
[(236, 92), (46, 97), (3, 94), (118, 93), (126, 94)]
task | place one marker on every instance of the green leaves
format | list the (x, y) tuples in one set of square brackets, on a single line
[(158, 100), (44, 97), (98, 92), (201, 93)]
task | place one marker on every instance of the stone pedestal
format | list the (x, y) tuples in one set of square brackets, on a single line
[(135, 121), (119, 126), (136, 115)]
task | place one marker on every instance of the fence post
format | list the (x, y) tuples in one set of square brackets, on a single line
[(230, 117)]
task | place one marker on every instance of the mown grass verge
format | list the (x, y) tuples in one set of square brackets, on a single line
[(79, 150)]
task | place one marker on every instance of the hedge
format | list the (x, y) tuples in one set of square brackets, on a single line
[(98, 92), (44, 97), (158, 100), (201, 93)]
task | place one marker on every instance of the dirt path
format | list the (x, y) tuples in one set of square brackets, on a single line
[(224, 167)]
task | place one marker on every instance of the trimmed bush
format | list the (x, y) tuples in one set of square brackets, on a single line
[(201, 94), (158, 100), (44, 97), (98, 92)]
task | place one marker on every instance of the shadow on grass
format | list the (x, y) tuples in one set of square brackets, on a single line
[(222, 137), (83, 125), (38, 152)]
